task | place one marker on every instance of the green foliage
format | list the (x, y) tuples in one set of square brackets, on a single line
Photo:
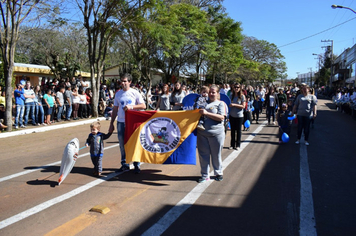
[(266, 56)]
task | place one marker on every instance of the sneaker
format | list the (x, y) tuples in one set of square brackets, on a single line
[(297, 142), (137, 170), (237, 148), (257, 122), (200, 127), (203, 179), (274, 123), (123, 168), (22, 126), (306, 143), (16, 127), (230, 148), (219, 178)]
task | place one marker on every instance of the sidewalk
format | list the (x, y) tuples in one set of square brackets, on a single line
[(57, 125)]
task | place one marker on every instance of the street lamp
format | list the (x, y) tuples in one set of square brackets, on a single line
[(338, 6)]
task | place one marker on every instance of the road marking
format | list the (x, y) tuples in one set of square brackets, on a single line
[(49, 128), (49, 203), (74, 226), (45, 166), (173, 214), (306, 209)]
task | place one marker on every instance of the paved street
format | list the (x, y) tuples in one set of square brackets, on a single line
[(268, 189)]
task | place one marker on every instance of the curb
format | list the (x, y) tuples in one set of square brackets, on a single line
[(49, 128)]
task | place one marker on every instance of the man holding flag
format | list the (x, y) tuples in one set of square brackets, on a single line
[(125, 99)]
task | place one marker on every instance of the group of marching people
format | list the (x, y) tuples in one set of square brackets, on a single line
[(247, 103)]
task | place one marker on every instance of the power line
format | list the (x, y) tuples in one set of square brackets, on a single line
[(316, 33)]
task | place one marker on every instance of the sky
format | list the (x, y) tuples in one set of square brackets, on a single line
[(283, 22)]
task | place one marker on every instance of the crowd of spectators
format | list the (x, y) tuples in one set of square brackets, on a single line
[(71, 99), (345, 100)]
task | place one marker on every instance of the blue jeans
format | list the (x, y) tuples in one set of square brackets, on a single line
[(120, 136), (271, 112), (59, 113), (19, 114), (39, 114), (69, 111), (30, 110)]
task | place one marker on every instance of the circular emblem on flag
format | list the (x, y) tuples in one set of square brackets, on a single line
[(160, 135)]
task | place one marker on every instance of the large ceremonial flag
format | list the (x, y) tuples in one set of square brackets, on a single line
[(161, 137)]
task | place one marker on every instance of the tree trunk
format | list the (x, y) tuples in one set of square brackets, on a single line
[(8, 90), (95, 98)]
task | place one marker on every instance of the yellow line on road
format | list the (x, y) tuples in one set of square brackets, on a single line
[(74, 226)]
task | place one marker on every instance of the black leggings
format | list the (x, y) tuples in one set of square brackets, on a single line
[(303, 124), (235, 131)]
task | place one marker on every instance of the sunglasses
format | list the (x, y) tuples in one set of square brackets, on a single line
[(237, 87)]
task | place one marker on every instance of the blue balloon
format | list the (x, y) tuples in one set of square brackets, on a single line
[(189, 100), (252, 109), (262, 99), (225, 99), (247, 124), (291, 117), (285, 138)]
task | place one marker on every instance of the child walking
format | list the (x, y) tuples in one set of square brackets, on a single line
[(283, 122), (95, 141), (247, 112), (200, 103)]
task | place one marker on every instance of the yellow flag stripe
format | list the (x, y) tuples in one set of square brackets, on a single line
[(186, 120)]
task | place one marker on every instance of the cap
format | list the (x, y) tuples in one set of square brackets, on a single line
[(23, 82)]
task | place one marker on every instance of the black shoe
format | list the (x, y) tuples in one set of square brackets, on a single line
[(219, 178), (123, 168), (137, 170)]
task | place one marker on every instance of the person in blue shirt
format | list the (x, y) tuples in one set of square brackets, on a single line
[(20, 105)]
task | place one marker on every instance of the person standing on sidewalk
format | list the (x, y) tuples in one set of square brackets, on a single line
[(29, 103), (68, 101), (60, 102), (125, 99), (20, 105), (306, 108)]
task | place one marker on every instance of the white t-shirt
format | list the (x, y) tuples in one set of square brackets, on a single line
[(83, 99), (123, 98), (29, 92)]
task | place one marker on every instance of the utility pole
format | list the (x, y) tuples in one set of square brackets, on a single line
[(331, 58), (311, 76)]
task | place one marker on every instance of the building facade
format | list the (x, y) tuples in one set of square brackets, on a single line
[(344, 68)]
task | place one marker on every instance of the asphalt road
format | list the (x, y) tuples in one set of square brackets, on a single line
[(268, 189)]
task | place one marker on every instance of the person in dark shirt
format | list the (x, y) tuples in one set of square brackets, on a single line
[(284, 123), (96, 142)]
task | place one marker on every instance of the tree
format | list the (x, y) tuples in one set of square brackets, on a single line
[(227, 55), (13, 14), (181, 29), (59, 45), (102, 19), (136, 35), (268, 57)]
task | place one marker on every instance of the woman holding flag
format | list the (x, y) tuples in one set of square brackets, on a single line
[(211, 140)]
